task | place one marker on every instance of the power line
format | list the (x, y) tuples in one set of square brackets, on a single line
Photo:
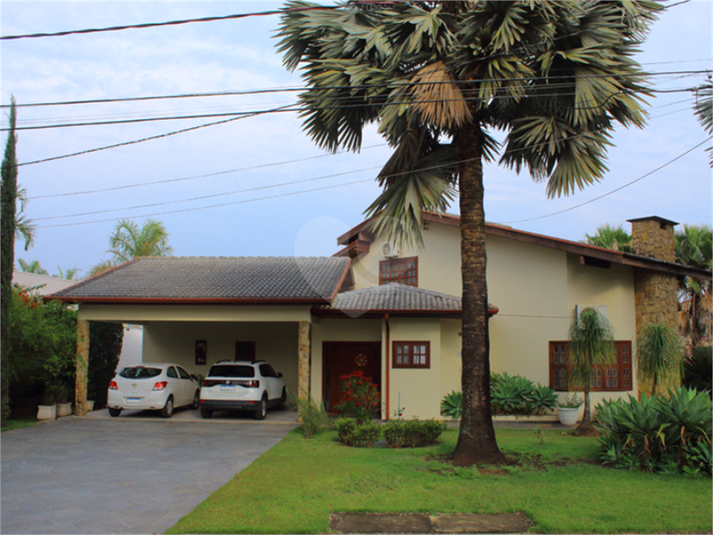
[(159, 24), (208, 175), (290, 89), (614, 190), (211, 196), (296, 107)]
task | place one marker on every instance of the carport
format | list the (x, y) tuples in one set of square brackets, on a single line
[(196, 311)]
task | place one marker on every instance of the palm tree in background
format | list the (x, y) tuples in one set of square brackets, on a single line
[(24, 228), (591, 344), (33, 266), (611, 237), (694, 247), (438, 78), (703, 109), (130, 241), (659, 355)]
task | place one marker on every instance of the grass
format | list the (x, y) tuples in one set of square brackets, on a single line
[(558, 484), (16, 423)]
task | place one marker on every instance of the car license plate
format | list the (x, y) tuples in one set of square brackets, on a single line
[(227, 388), (133, 401)]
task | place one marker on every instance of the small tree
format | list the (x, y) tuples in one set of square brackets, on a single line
[(659, 354), (591, 343)]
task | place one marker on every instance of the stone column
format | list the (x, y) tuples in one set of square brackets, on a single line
[(656, 294), (303, 356), (80, 385)]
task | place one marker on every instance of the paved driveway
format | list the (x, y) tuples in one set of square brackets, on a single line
[(138, 474)]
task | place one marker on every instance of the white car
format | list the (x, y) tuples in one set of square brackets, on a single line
[(154, 387), (242, 385)]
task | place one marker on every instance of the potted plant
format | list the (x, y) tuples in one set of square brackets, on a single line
[(568, 409)]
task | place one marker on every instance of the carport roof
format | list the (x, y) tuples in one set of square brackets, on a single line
[(395, 299), (215, 280)]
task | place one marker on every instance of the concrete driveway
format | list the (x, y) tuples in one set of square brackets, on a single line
[(135, 474)]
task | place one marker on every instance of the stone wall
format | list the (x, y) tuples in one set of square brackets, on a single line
[(656, 293)]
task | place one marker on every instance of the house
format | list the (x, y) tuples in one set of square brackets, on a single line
[(392, 312)]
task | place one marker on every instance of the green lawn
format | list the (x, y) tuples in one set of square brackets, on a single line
[(558, 485), (16, 423)]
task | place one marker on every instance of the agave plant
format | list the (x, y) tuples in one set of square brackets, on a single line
[(452, 405)]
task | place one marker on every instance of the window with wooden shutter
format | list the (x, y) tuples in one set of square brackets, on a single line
[(411, 355), (615, 377), (401, 270)]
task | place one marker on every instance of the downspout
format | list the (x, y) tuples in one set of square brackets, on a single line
[(388, 365)]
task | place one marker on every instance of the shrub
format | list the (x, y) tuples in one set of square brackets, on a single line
[(452, 405), (509, 394), (412, 433), (360, 397), (314, 417), (658, 434), (351, 432)]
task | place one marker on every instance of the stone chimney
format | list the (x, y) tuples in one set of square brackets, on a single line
[(656, 294), (653, 237)]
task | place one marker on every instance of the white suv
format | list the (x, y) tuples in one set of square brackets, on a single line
[(242, 385)]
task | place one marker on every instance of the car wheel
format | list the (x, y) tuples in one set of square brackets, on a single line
[(206, 413), (283, 401), (196, 400), (114, 412), (261, 411), (167, 411)]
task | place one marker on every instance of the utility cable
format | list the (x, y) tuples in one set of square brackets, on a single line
[(195, 177), (614, 190)]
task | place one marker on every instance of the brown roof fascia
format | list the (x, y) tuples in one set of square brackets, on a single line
[(186, 300), (371, 314)]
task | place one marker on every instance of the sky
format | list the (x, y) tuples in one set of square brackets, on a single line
[(259, 186)]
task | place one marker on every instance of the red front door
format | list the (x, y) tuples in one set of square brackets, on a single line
[(343, 358)]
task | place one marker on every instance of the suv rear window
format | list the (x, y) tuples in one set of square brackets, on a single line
[(231, 371), (140, 373)]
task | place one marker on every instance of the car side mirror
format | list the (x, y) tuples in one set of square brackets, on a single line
[(279, 374)]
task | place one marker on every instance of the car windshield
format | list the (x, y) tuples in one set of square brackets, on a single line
[(231, 371), (140, 373)]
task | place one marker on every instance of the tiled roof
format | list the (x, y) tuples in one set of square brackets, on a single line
[(392, 298), (170, 278)]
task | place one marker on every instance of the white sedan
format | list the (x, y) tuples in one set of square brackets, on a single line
[(154, 387)]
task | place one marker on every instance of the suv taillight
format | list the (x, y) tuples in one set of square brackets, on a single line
[(113, 386), (249, 384), (160, 385)]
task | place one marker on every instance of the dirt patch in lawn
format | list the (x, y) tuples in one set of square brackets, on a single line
[(423, 523)]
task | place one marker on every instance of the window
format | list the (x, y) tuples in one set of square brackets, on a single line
[(613, 378), (401, 270), (412, 355)]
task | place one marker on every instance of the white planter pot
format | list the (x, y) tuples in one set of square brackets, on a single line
[(46, 412), (64, 409), (568, 416)]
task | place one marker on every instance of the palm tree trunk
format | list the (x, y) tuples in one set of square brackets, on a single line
[(476, 440)]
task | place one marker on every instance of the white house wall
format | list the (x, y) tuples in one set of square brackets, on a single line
[(240, 313)]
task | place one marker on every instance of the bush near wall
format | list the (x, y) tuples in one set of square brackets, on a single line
[(509, 394), (412, 433), (659, 433)]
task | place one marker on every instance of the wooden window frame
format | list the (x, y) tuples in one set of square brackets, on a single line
[(614, 378), (399, 271), (410, 344)]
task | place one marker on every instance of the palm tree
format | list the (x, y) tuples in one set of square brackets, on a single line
[(610, 237), (591, 344), (68, 274), (32, 267), (438, 78), (703, 108), (694, 247), (659, 354), (130, 241), (24, 228)]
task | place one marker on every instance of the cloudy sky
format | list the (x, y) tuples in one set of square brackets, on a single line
[(258, 185)]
